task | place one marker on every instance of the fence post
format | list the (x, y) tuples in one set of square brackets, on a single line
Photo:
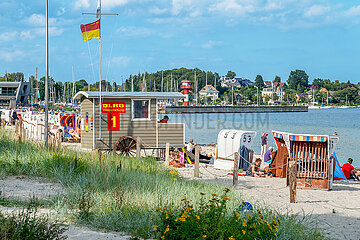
[(138, 147), (292, 181), (236, 169), (167, 153), (196, 164)]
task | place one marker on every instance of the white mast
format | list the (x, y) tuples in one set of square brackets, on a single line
[(171, 83), (196, 89), (162, 81), (73, 90), (132, 83)]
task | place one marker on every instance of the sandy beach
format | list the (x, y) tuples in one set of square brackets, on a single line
[(336, 211)]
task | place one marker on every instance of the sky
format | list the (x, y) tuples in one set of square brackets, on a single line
[(249, 37)]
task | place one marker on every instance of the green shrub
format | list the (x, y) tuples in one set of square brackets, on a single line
[(211, 219), (26, 225)]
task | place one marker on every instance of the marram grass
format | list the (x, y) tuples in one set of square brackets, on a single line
[(102, 196)]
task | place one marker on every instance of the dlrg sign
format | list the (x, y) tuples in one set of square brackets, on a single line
[(113, 109)]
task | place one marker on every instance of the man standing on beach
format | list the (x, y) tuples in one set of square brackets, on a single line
[(349, 171), (263, 143)]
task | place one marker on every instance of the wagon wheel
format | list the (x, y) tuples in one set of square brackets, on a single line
[(125, 146)]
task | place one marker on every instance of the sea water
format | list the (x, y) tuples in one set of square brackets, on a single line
[(204, 128)]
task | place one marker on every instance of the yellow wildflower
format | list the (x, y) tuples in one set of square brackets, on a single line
[(244, 224), (231, 238), (214, 195), (155, 227), (167, 229), (175, 179), (243, 231), (197, 217), (162, 237), (204, 236), (237, 214), (167, 216), (226, 198)]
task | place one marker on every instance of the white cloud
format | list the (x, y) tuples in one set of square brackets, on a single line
[(354, 11), (60, 12), (82, 4), (10, 56), (105, 4), (26, 34), (39, 20), (8, 36), (234, 7), (157, 11), (211, 44), (121, 61), (133, 31), (317, 10)]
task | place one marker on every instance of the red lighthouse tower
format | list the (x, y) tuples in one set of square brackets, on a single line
[(186, 85)]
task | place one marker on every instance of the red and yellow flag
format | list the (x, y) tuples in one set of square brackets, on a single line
[(91, 30)]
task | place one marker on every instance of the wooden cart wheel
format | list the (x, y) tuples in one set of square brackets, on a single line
[(125, 146)]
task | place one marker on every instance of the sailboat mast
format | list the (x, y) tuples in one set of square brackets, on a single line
[(196, 89), (162, 81)]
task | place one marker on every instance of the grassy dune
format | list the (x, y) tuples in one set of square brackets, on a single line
[(101, 196)]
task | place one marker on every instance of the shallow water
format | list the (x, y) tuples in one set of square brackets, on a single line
[(204, 128)]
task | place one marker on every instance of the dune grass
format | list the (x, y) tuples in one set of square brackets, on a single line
[(101, 196)]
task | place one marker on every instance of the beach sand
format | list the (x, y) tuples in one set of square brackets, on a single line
[(337, 212)]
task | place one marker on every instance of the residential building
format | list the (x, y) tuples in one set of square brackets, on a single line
[(300, 96), (14, 93), (209, 91), (275, 93), (235, 82)]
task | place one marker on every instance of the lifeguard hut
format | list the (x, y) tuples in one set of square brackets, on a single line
[(313, 155), (230, 141), (124, 116)]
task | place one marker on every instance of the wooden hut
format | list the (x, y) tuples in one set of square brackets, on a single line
[(313, 155), (124, 117)]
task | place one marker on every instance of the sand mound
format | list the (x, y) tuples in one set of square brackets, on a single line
[(24, 188)]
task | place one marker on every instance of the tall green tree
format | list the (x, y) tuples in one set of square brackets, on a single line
[(277, 79), (259, 82), (298, 80), (230, 74), (318, 83)]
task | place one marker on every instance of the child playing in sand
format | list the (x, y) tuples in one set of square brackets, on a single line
[(254, 169)]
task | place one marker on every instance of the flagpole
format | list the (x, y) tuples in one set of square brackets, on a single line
[(100, 117), (46, 75)]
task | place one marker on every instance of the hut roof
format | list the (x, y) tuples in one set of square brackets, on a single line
[(138, 95)]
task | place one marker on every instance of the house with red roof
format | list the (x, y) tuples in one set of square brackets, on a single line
[(209, 91)]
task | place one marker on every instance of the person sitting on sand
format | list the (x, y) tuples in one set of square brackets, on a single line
[(267, 155), (349, 171), (254, 169), (165, 119), (190, 145)]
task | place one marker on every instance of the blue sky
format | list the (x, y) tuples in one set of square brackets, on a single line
[(250, 37)]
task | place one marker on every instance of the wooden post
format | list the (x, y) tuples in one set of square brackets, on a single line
[(196, 164), (167, 153), (138, 147), (292, 181), (100, 156), (236, 169), (251, 156)]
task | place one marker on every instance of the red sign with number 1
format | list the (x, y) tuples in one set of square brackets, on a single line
[(113, 121)]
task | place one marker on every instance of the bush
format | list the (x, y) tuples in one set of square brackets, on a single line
[(211, 219), (27, 225)]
